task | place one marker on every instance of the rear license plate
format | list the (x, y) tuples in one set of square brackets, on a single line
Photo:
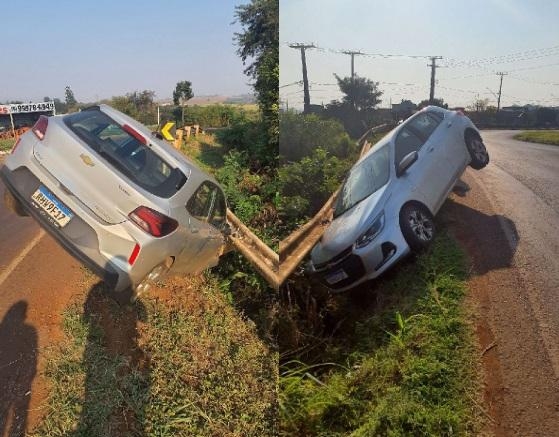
[(55, 210), (337, 276)]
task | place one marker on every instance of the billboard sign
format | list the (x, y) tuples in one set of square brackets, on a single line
[(21, 108)]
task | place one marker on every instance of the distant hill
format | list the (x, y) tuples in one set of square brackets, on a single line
[(208, 100)]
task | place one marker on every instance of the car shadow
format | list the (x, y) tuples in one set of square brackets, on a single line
[(117, 370), (18, 366), (490, 240)]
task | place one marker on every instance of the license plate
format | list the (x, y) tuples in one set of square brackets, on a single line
[(56, 211), (338, 276)]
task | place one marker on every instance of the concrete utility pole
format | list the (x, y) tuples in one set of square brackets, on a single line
[(433, 66), (307, 98), (500, 88), (352, 54)]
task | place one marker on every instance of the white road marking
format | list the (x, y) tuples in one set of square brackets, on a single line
[(11, 267)]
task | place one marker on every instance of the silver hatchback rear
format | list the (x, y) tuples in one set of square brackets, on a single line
[(126, 204)]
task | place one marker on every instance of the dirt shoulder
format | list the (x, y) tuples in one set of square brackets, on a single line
[(521, 390)]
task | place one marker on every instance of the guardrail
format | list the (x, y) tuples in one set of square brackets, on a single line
[(277, 268)]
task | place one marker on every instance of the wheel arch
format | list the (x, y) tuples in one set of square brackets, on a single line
[(471, 132), (414, 202)]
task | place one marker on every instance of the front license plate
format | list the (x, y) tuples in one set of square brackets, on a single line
[(55, 210), (338, 276)]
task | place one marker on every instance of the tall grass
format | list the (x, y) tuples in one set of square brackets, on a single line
[(406, 368)]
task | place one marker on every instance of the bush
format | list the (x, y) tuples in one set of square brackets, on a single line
[(302, 134)]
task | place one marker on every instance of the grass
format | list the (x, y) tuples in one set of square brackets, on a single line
[(182, 365), (6, 144), (205, 151), (404, 365), (539, 136)]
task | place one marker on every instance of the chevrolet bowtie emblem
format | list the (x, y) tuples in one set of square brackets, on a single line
[(87, 160)]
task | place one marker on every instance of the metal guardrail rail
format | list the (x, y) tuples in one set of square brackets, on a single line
[(277, 268)]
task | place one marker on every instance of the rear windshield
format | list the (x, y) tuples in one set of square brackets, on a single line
[(125, 153)]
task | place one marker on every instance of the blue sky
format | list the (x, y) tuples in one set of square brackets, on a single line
[(104, 48), (460, 31)]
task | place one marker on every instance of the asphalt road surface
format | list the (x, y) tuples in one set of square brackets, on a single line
[(509, 223)]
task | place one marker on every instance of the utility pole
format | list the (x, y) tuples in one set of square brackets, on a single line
[(307, 98), (500, 88), (352, 54), (433, 66)]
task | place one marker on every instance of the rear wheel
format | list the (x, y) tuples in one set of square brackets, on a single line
[(417, 225), (156, 275), (13, 204), (478, 151)]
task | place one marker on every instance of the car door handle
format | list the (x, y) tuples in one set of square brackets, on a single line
[(194, 230), (449, 124), (430, 149)]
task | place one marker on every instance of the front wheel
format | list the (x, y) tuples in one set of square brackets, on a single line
[(478, 152), (417, 225)]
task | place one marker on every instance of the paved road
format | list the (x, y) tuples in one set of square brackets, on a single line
[(511, 229), (37, 281)]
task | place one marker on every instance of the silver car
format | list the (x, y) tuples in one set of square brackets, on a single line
[(123, 202), (387, 202)]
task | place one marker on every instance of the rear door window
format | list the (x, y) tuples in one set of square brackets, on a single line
[(208, 204), (126, 153), (424, 124), (406, 142)]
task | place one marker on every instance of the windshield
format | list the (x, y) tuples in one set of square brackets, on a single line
[(125, 153), (363, 180)]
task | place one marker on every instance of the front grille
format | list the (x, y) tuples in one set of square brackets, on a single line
[(339, 257)]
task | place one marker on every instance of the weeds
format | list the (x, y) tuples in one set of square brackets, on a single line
[(406, 354)]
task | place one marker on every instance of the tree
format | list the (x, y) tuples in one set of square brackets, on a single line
[(259, 43), (138, 104), (436, 102), (479, 105), (361, 93), (69, 96), (356, 110), (182, 92)]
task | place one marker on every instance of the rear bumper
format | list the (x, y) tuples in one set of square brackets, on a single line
[(21, 188)]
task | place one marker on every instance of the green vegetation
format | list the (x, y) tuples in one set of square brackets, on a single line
[(398, 360), (184, 366), (6, 144), (539, 136), (259, 43)]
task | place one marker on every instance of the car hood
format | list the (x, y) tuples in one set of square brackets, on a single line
[(345, 229)]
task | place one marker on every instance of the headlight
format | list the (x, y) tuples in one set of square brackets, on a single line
[(371, 233)]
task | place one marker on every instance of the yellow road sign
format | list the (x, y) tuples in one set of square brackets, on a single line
[(166, 131)]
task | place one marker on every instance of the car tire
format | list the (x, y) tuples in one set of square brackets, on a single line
[(417, 225), (13, 204), (478, 151), (156, 274)]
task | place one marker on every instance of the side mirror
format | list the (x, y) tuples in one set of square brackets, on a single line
[(406, 162)]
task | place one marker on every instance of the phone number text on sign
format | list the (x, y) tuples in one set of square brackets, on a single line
[(31, 107)]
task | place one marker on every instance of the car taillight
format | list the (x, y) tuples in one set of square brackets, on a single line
[(15, 145), (40, 128), (135, 134), (153, 222)]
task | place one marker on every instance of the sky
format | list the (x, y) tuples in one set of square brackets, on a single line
[(105, 48), (476, 39)]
